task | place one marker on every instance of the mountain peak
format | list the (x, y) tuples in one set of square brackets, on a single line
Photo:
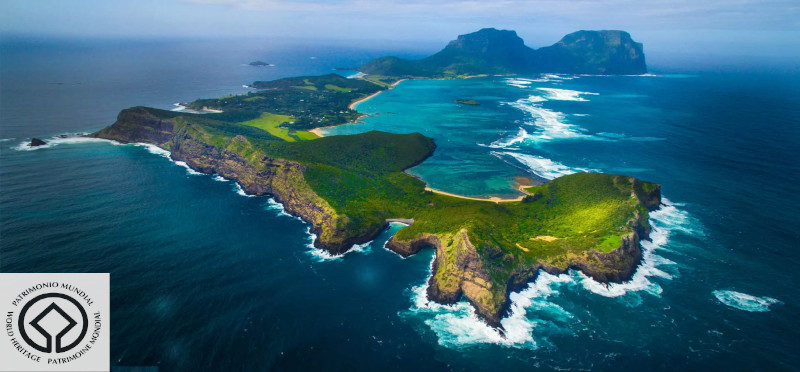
[(595, 52), (487, 38), (493, 51)]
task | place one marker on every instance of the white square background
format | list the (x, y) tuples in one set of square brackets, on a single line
[(96, 286)]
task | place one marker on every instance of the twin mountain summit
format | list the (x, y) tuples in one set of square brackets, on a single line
[(492, 51), (350, 187)]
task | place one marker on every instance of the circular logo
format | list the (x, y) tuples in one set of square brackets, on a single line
[(53, 323)]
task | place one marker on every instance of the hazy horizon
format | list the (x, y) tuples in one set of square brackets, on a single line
[(743, 28)]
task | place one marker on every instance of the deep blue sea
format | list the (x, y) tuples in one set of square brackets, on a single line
[(204, 277)]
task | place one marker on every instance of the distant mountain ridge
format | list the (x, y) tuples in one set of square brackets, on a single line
[(492, 51)]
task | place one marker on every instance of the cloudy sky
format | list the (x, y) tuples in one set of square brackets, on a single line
[(737, 26)]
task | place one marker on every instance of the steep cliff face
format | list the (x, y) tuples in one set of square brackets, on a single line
[(589, 222), (488, 51), (258, 175), (138, 124), (492, 51), (486, 277), (593, 52), (459, 270)]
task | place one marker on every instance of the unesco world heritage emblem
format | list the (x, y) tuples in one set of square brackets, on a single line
[(55, 322)]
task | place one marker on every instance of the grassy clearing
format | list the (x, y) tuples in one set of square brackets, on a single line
[(338, 88), (271, 124)]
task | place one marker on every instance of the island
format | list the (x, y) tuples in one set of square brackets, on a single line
[(259, 64), (350, 187), (492, 51), (470, 102)]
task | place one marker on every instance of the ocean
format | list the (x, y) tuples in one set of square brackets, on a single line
[(204, 277)]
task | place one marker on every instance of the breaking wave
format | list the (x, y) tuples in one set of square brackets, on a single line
[(458, 326), (321, 255), (189, 169), (744, 301), (551, 125), (565, 94), (543, 167), (519, 82), (543, 78), (239, 190), (62, 139)]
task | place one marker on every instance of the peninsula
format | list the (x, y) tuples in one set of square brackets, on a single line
[(349, 188)]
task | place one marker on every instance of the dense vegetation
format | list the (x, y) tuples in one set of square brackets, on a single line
[(362, 177), (313, 101), (347, 187), (491, 51)]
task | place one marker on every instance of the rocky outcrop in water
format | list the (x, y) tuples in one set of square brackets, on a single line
[(35, 142)]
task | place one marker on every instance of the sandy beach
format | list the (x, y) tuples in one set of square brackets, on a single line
[(352, 106), (494, 199)]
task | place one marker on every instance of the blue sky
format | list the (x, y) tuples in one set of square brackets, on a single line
[(732, 26)]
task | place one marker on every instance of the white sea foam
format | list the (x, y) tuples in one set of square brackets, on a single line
[(178, 107), (543, 167), (395, 223), (321, 255), (239, 190), (219, 178), (744, 301), (155, 150), (457, 326), (273, 204), (520, 137), (560, 77), (565, 94), (64, 139), (642, 75), (547, 78), (550, 125), (189, 169), (361, 248), (356, 75), (664, 222), (519, 82)]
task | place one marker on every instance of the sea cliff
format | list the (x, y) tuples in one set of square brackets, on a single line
[(348, 187)]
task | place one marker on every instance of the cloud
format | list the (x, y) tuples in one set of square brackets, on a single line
[(720, 14)]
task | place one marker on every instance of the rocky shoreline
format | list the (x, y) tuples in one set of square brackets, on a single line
[(458, 268)]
